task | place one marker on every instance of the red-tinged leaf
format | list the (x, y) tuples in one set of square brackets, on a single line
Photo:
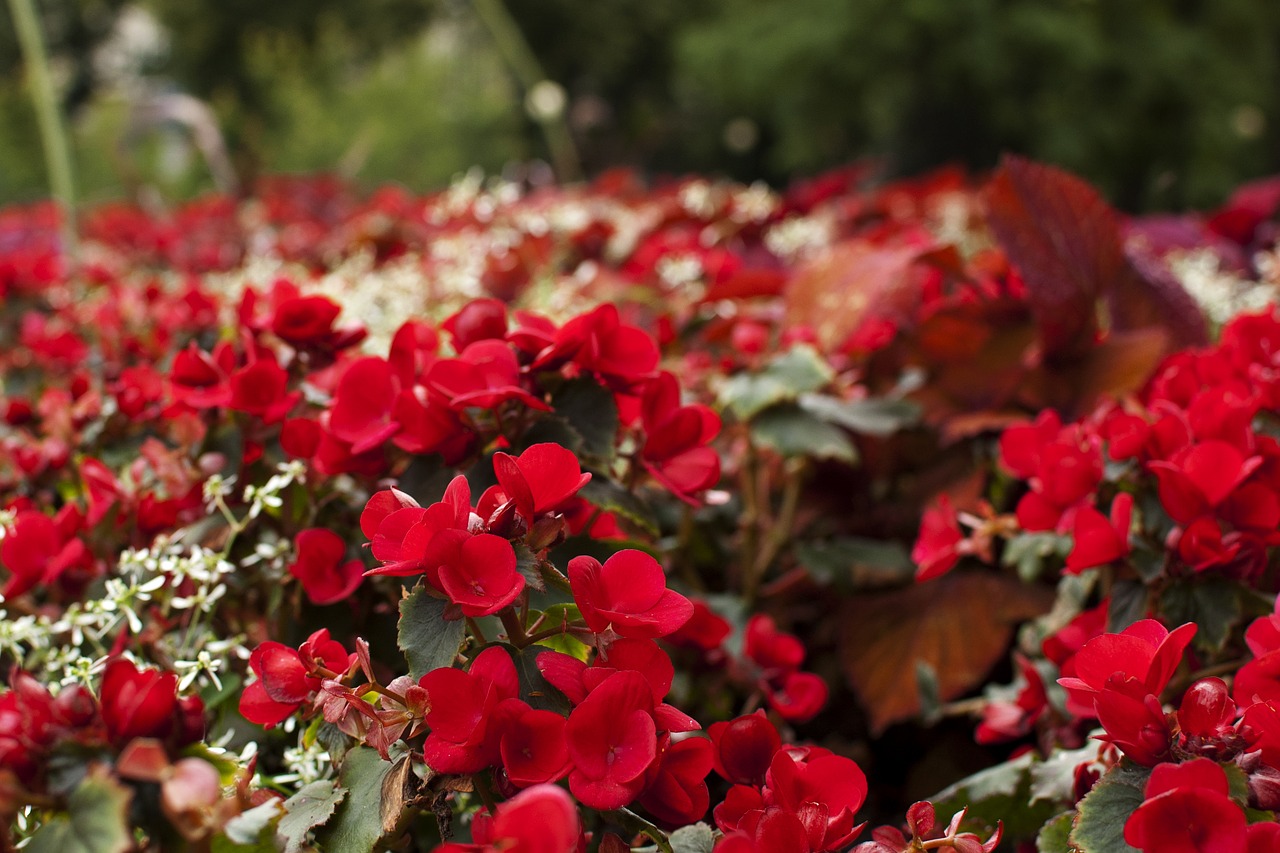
[(747, 284), (852, 282), (960, 625), (1117, 366), (1065, 239), (1151, 296)]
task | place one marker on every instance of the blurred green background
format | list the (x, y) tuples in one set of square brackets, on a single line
[(1164, 104)]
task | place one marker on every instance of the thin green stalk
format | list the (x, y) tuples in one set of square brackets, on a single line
[(53, 131), (519, 56)]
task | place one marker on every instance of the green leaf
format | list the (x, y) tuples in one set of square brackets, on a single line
[(1028, 551), (247, 828), (998, 794), (554, 617), (357, 825), (528, 565), (1053, 779), (1104, 810), (428, 640), (534, 689), (1055, 835), (791, 431), (633, 824), (96, 821), (1128, 605), (304, 811), (609, 496), (837, 560), (875, 416), (695, 838), (1213, 604), (799, 370), (589, 408)]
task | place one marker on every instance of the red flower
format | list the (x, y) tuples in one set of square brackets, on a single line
[(675, 450), (612, 741), (627, 593), (599, 342), (940, 544), (1187, 810), (676, 793), (464, 735), (361, 410), (1098, 540), (744, 748), (542, 819), (797, 696), (534, 748), (1206, 715), (1201, 477), (478, 320), (478, 572), (825, 791), (767, 830), (289, 677), (542, 479), (325, 577), (36, 552), (1133, 719), (259, 388), (484, 375), (1146, 651), (137, 703)]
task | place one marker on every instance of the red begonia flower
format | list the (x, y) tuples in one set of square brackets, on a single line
[(1201, 477), (484, 375), (305, 320), (478, 320), (938, 545), (542, 479), (775, 652), (628, 593), (540, 819), (288, 677), (534, 748), (464, 737), (477, 572), (766, 830), (1098, 540), (797, 696), (361, 410), (1258, 680), (612, 741), (1146, 651), (36, 552), (744, 748), (825, 791), (260, 388), (1133, 719), (1187, 810), (137, 703), (676, 790), (599, 342), (1022, 445), (319, 565), (706, 630), (1206, 712), (675, 449), (643, 656), (199, 379)]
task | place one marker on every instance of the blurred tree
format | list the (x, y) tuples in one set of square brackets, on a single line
[(1163, 103), (214, 45), (72, 30)]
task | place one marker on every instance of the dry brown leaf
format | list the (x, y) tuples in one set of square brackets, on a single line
[(960, 625)]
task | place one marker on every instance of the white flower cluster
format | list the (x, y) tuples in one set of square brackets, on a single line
[(1220, 293)]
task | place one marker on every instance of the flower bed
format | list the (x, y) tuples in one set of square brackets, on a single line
[(698, 517)]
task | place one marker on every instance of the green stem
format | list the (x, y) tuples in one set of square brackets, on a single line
[(53, 131), (524, 64)]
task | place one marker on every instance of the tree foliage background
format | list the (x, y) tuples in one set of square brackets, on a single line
[(1162, 103)]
